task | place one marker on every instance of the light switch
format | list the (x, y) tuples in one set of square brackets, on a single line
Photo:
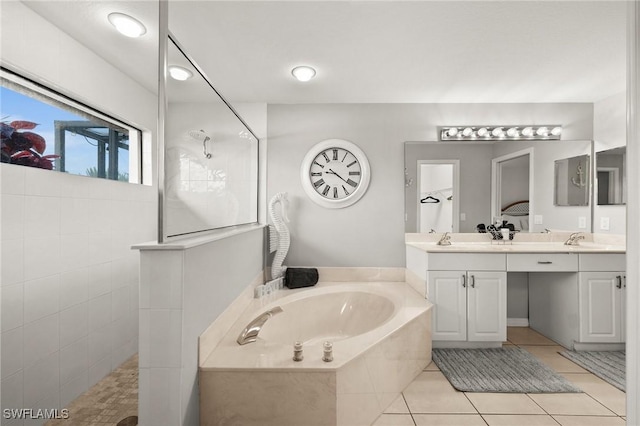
[(582, 222), (537, 219), (604, 223), (463, 216)]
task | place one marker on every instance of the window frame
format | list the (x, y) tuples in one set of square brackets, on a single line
[(45, 94)]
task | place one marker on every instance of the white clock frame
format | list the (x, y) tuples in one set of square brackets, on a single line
[(307, 184)]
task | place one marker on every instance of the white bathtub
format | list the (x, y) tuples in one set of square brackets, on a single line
[(381, 341)]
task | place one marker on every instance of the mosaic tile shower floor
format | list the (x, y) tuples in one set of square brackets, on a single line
[(108, 402)]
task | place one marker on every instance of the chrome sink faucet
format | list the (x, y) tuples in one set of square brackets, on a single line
[(573, 239), (445, 240), (250, 332)]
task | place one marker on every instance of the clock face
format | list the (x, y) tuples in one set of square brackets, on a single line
[(335, 173)]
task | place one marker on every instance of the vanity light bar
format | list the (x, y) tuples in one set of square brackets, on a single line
[(497, 133)]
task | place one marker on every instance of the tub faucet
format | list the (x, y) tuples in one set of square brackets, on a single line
[(445, 240), (573, 239), (250, 332)]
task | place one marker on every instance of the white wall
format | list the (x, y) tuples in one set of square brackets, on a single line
[(371, 232), (69, 281), (609, 131)]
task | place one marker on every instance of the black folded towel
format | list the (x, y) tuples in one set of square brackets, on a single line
[(300, 277)]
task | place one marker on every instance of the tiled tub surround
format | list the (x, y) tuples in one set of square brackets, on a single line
[(260, 384)]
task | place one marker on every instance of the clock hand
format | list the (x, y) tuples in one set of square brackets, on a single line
[(332, 172)]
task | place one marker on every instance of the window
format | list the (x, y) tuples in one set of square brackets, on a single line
[(42, 128)]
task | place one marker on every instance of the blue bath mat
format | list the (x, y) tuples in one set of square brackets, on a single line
[(503, 370)]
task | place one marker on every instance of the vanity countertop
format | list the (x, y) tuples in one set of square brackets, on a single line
[(523, 243), (517, 247)]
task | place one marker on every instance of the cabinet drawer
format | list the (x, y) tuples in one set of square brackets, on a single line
[(466, 261), (542, 262), (602, 262)]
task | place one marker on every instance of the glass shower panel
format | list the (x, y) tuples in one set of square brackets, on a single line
[(211, 157)]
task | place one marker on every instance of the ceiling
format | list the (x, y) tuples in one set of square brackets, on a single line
[(374, 52)]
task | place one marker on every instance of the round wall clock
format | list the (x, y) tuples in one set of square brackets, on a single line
[(335, 173)]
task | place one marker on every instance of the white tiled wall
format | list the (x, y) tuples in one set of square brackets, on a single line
[(69, 281)]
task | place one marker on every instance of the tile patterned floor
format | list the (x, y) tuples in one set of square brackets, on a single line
[(431, 400), (428, 400), (109, 401)]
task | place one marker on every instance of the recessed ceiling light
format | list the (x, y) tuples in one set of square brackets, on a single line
[(303, 73), (179, 73), (127, 25)]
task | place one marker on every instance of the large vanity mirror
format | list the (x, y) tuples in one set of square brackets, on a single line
[(611, 177), (504, 180)]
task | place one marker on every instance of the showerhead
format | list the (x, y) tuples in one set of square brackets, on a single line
[(200, 135)]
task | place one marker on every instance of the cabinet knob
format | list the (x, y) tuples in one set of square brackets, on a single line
[(545, 262), (464, 280), (473, 281), (619, 278)]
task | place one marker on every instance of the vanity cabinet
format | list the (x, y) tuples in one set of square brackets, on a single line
[(601, 301), (470, 305)]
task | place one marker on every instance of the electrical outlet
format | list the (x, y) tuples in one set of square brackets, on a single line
[(582, 222), (537, 219), (463, 217), (604, 223)]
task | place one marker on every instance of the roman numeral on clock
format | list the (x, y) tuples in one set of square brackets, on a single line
[(316, 173), (352, 183), (325, 191), (335, 154), (354, 173), (335, 192), (326, 157), (345, 190), (318, 183), (352, 163), (318, 164)]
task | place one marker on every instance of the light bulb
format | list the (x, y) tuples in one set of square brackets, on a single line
[(179, 73), (303, 73), (467, 131), (527, 131), (556, 131), (497, 132), (452, 131), (542, 131), (127, 25), (512, 132), (482, 132)]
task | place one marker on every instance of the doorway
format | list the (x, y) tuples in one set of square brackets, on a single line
[(438, 196), (512, 185)]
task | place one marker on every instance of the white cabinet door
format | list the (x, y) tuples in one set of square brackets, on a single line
[(487, 306), (600, 295), (447, 290)]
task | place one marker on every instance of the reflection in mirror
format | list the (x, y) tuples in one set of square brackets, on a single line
[(611, 176), (438, 206), (572, 181), (211, 161), (479, 200)]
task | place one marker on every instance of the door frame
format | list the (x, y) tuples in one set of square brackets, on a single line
[(456, 190), (496, 183)]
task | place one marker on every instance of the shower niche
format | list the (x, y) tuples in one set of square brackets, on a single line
[(210, 154)]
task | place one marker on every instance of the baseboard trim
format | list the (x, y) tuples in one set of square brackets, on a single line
[(517, 322)]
